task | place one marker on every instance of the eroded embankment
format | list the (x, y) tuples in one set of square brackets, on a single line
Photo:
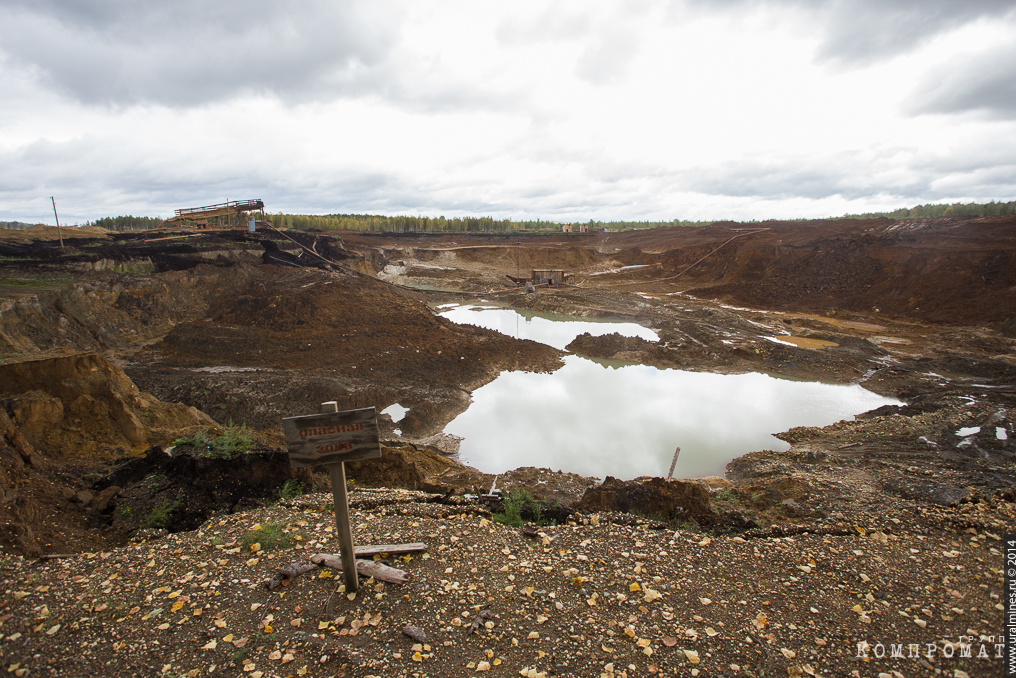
[(252, 343)]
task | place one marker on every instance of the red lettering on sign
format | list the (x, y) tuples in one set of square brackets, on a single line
[(329, 430), (333, 447)]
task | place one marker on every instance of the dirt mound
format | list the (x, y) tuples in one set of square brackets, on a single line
[(416, 467), (178, 490), (61, 418), (675, 500), (83, 406), (298, 318), (44, 232), (617, 347), (941, 270)]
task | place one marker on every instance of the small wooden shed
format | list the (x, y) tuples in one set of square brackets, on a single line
[(552, 277)]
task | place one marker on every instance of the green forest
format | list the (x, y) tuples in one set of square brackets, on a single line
[(128, 223), (957, 209), (411, 224), (406, 224)]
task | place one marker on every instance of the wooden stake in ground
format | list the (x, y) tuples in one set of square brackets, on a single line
[(333, 438), (677, 453), (58, 231)]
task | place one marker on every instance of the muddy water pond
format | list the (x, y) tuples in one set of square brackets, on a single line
[(598, 418)]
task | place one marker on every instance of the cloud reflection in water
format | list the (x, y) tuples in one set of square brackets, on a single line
[(625, 421)]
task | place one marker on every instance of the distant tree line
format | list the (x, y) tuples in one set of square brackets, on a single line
[(955, 209), (630, 225), (15, 225), (410, 224), (127, 223)]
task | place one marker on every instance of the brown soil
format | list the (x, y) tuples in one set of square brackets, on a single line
[(251, 329)]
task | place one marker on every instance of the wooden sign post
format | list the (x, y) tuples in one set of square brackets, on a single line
[(334, 438)]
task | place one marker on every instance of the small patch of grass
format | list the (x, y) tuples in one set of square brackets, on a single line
[(729, 496), (157, 518), (270, 535), (200, 440), (290, 489), (514, 504), (234, 441), (239, 656)]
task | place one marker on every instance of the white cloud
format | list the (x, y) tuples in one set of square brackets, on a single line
[(190, 52), (572, 111), (982, 83)]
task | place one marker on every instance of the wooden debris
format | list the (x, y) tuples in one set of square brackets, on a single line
[(381, 572), (416, 633), (365, 568), (484, 614), (413, 547), (285, 574)]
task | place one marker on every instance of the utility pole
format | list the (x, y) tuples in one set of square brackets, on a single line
[(58, 231)]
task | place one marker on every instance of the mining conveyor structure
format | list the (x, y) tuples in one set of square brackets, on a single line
[(232, 214)]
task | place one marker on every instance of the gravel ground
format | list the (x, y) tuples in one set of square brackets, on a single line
[(599, 596)]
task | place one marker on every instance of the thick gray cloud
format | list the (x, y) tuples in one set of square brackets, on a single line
[(984, 172), (859, 32), (769, 180), (984, 83), (862, 31), (190, 52)]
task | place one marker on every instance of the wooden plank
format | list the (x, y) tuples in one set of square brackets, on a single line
[(390, 548), (368, 568), (381, 572), (337, 472), (344, 531), (332, 437)]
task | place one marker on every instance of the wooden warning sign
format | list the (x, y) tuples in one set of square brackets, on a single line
[(332, 437)]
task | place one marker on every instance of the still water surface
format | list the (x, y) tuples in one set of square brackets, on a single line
[(546, 328), (599, 419)]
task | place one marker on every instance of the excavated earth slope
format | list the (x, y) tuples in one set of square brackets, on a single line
[(896, 514)]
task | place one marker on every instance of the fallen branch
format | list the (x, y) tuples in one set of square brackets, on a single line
[(285, 574), (364, 568), (381, 572)]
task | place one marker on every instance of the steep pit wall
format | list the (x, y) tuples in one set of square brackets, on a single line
[(60, 420), (84, 407), (114, 313), (944, 271)]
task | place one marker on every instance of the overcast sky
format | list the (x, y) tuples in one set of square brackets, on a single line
[(572, 110)]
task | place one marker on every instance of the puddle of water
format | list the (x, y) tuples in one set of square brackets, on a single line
[(547, 328), (625, 421), (396, 412), (218, 369), (802, 342)]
